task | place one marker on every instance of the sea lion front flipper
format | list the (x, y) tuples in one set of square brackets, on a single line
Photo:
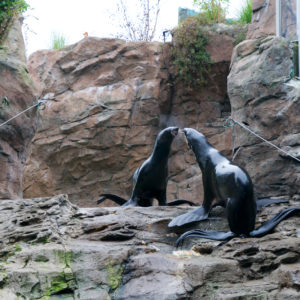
[(180, 201), (115, 198), (260, 203), (269, 225), (196, 215), (211, 235)]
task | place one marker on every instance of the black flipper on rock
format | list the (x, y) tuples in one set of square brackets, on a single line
[(180, 201), (260, 203), (270, 224), (206, 234), (117, 199), (196, 215), (261, 231)]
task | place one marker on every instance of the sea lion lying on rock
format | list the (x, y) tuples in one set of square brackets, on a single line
[(151, 178)]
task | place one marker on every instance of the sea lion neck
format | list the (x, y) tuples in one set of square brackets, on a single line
[(201, 147), (161, 150)]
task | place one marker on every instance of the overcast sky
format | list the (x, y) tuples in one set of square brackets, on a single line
[(72, 18)]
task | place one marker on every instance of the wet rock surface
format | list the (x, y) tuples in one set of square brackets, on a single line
[(128, 253)]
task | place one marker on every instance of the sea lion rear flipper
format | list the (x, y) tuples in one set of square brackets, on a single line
[(115, 198), (260, 203), (269, 225), (179, 202), (196, 215), (211, 235)]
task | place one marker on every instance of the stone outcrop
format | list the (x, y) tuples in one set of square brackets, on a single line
[(110, 99), (265, 97), (51, 249), (263, 19), (16, 94)]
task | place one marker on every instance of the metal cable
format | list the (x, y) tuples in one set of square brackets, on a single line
[(230, 123), (22, 112)]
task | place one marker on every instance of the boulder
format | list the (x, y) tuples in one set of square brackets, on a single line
[(110, 99), (265, 97), (16, 95), (53, 249)]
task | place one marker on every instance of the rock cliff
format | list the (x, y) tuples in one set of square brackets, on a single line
[(264, 95), (16, 94), (263, 19), (111, 98), (51, 249)]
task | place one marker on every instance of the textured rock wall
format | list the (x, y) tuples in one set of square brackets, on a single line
[(263, 19), (50, 249), (111, 98), (264, 96), (16, 94)]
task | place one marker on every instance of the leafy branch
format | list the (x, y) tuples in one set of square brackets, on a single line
[(8, 10), (192, 62)]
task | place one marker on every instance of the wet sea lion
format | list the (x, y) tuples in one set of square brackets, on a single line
[(151, 178), (231, 186)]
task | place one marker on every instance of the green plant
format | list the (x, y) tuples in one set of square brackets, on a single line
[(241, 36), (8, 10), (192, 62), (245, 13), (58, 41), (114, 275), (214, 11)]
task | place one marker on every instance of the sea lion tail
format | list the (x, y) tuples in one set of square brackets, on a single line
[(269, 225), (180, 201), (115, 198), (210, 234), (260, 203), (196, 215)]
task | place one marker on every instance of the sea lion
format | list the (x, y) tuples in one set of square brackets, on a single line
[(151, 178), (232, 188), (223, 181)]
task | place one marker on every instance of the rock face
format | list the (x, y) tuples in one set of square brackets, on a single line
[(16, 94), (264, 96), (263, 19), (51, 249), (111, 98)]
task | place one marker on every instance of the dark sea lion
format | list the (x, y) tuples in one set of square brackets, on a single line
[(151, 178), (231, 187), (223, 181)]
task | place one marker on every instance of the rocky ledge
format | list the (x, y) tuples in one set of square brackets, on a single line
[(51, 249)]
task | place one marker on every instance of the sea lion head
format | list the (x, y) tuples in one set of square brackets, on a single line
[(167, 135), (193, 136)]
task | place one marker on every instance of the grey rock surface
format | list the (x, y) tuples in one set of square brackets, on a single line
[(52, 249), (17, 93), (264, 96)]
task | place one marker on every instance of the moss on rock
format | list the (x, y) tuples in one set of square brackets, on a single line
[(114, 274)]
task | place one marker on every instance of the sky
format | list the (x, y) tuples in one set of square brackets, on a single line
[(72, 18)]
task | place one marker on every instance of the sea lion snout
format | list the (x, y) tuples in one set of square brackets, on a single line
[(185, 131), (174, 131)]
